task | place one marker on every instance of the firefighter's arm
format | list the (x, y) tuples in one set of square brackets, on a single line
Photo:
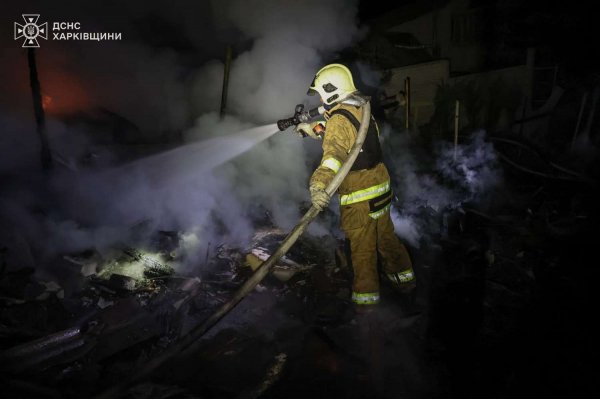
[(337, 143), (312, 130)]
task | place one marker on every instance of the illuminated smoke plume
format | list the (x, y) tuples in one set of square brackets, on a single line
[(85, 203)]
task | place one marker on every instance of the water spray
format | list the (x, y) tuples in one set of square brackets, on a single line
[(197, 332)]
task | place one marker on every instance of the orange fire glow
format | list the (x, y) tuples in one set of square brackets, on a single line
[(46, 102)]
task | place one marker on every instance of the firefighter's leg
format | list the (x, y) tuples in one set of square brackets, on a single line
[(396, 262), (361, 231)]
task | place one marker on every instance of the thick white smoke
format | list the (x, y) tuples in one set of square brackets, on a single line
[(290, 40), (443, 180), (87, 204), (83, 204)]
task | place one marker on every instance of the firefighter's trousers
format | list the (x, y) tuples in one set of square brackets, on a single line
[(370, 231)]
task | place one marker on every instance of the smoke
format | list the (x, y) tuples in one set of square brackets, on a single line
[(407, 227), (290, 41), (96, 195), (219, 182), (266, 82), (471, 168), (445, 179)]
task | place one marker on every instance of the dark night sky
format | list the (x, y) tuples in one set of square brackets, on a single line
[(565, 33), (374, 8), (567, 30)]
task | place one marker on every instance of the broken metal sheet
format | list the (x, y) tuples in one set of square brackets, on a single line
[(88, 261), (256, 257), (103, 303), (53, 349), (301, 258), (283, 272), (119, 282), (120, 324), (52, 288), (307, 250)]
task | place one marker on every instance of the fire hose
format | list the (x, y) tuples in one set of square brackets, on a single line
[(188, 341)]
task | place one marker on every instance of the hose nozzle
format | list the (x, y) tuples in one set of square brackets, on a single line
[(283, 124), (300, 116)]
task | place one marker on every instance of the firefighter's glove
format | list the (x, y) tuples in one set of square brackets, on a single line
[(305, 129), (318, 196)]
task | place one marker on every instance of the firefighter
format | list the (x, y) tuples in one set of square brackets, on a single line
[(365, 193)]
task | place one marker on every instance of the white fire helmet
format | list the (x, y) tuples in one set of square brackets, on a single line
[(333, 83)]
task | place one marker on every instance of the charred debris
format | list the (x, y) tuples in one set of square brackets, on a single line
[(498, 285)]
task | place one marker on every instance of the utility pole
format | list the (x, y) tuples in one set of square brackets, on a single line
[(40, 120), (456, 122), (407, 106), (225, 81), (435, 50)]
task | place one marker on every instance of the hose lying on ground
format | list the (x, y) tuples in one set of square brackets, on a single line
[(188, 341)]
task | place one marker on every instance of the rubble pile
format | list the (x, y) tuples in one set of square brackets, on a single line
[(132, 305), (490, 286)]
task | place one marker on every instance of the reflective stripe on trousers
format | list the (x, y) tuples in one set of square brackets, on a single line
[(365, 194), (365, 298), (402, 277), (381, 212)]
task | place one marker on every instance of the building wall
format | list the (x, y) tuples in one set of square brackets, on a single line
[(457, 33), (490, 99), (425, 79), (465, 51), (421, 28)]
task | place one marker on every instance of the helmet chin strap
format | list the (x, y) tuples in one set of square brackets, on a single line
[(329, 106), (333, 104)]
